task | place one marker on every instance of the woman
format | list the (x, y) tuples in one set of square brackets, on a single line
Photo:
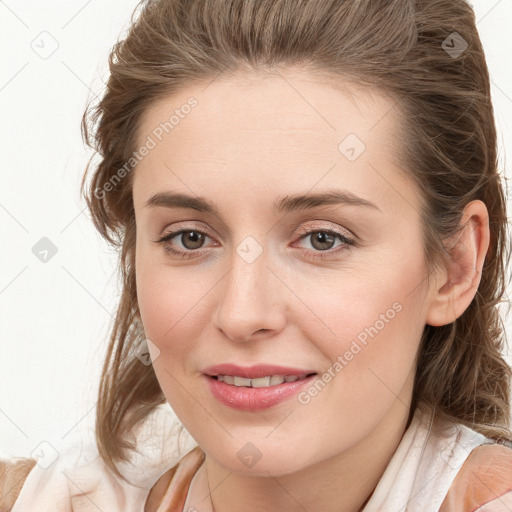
[(313, 245)]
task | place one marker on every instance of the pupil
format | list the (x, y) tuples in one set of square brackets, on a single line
[(324, 238), (196, 239)]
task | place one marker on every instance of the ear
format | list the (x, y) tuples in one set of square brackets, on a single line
[(456, 283)]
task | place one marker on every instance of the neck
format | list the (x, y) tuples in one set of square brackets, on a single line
[(341, 483)]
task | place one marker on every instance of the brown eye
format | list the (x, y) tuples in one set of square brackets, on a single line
[(192, 239), (183, 243), (322, 240), (322, 243)]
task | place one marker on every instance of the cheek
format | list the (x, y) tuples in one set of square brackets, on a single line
[(169, 305), (169, 302), (371, 324)]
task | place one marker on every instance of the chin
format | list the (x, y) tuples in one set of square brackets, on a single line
[(257, 459)]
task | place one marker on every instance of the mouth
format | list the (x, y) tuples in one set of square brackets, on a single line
[(260, 382), (260, 375), (256, 387)]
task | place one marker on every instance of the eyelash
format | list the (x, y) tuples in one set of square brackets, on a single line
[(348, 242)]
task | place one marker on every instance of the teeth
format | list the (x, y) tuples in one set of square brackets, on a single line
[(276, 379), (241, 381), (259, 382)]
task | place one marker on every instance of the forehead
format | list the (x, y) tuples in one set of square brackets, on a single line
[(281, 128), (292, 100)]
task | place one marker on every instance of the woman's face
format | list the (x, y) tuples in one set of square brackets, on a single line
[(333, 286)]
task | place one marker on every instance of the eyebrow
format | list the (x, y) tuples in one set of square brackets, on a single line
[(286, 203)]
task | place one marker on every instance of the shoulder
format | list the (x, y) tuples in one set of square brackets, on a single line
[(74, 473), (67, 479), (484, 481), (13, 473)]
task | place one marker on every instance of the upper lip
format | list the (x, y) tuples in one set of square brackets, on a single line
[(251, 372)]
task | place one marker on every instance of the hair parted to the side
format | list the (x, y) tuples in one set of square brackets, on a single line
[(449, 148)]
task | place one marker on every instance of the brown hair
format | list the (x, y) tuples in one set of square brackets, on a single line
[(404, 48)]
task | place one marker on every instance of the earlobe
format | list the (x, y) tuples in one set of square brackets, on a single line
[(458, 281)]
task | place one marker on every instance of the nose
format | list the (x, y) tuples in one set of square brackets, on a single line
[(252, 301)]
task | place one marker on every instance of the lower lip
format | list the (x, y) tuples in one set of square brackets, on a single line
[(253, 399)]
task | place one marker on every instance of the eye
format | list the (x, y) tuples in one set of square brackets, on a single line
[(191, 240), (322, 241)]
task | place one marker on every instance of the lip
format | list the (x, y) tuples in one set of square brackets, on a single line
[(254, 399), (252, 372)]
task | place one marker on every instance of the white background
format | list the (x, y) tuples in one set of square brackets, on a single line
[(55, 316)]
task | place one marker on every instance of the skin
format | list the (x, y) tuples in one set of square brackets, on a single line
[(250, 140)]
